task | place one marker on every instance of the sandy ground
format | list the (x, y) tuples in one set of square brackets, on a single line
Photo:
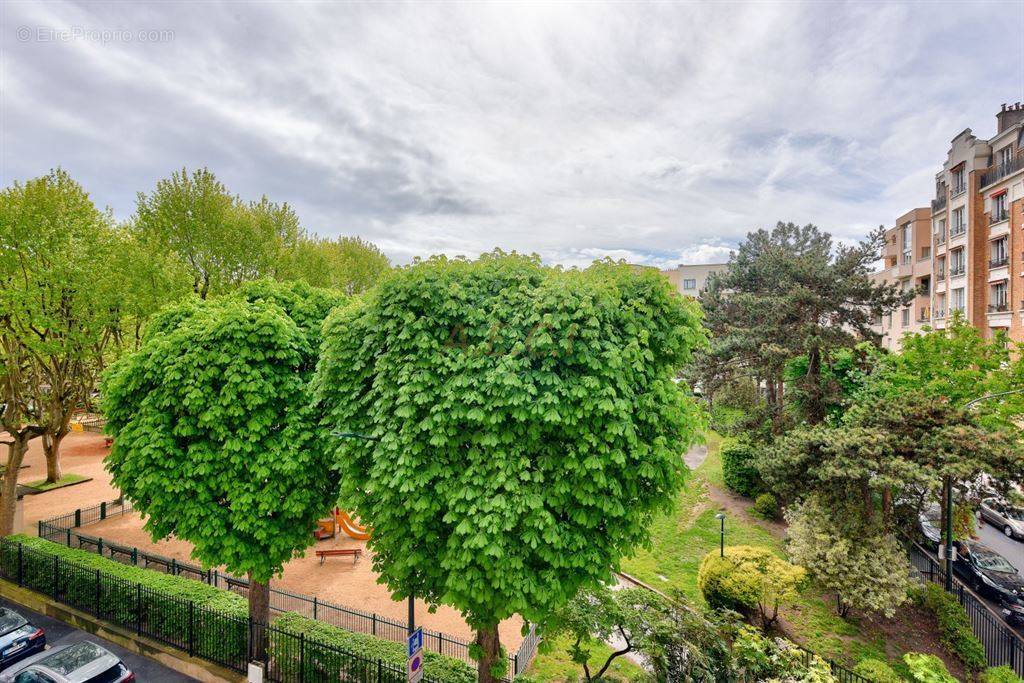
[(338, 581), (81, 453)]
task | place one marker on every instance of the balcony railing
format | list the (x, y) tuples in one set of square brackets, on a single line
[(940, 274), (955, 272), (998, 261), (998, 216), (957, 230), (958, 190), (999, 307), (940, 313), (938, 204), (997, 172)]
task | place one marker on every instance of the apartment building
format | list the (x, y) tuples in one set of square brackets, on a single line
[(907, 262), (691, 279), (975, 262)]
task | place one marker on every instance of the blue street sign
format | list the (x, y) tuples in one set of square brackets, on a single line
[(415, 641)]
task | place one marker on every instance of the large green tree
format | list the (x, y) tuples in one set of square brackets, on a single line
[(349, 264), (524, 428), (58, 300), (788, 292), (215, 441)]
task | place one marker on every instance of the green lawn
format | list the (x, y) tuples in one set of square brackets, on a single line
[(681, 539), (555, 665), (66, 480)]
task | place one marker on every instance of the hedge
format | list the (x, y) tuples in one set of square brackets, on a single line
[(221, 633), (1000, 674), (954, 626), (438, 667), (738, 471), (876, 671)]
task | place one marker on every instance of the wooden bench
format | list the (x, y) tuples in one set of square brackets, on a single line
[(356, 553)]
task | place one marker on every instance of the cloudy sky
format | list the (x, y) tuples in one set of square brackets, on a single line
[(660, 133)]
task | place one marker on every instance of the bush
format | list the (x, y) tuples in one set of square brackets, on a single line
[(765, 506), (954, 626), (927, 668), (1000, 674), (162, 602), (759, 658), (749, 578), (738, 470), (327, 662), (877, 671)]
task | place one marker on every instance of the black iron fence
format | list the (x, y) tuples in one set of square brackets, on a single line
[(1002, 645), (62, 530), (224, 639)]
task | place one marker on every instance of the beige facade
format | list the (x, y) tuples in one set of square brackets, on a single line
[(907, 263), (691, 279), (974, 247)]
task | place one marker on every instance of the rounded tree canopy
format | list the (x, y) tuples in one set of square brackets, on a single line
[(527, 425), (214, 434)]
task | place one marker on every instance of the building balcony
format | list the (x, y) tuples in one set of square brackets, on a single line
[(999, 262), (939, 203), (999, 217), (958, 190), (999, 307), (957, 272), (940, 238), (940, 313), (957, 231), (997, 172)]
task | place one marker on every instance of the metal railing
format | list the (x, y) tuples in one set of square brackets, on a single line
[(61, 529), (997, 172), (998, 216), (940, 313), (957, 230), (999, 307), (955, 272), (998, 262), (220, 637), (1002, 645), (939, 203), (958, 190)]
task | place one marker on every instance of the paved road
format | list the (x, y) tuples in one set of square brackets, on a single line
[(1011, 549), (59, 633)]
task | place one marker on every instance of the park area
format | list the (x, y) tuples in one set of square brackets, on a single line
[(343, 581)]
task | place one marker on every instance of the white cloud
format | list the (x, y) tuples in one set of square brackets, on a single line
[(657, 133)]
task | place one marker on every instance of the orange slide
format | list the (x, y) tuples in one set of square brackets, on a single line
[(350, 528)]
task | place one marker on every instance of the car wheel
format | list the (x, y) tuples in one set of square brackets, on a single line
[(1008, 531)]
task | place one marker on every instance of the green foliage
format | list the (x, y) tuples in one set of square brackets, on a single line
[(164, 605), (749, 578), (862, 563), (739, 469), (324, 663), (671, 636), (954, 626), (307, 306), (214, 438), (877, 671), (999, 674), (766, 507), (927, 668), (528, 425), (347, 264), (759, 658)]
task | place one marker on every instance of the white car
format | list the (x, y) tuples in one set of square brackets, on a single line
[(1003, 516)]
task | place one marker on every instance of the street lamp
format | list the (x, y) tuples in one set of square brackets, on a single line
[(721, 544), (412, 598)]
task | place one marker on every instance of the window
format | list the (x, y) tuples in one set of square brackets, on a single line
[(926, 253), (959, 302), (906, 240), (999, 254), (959, 184), (940, 267), (924, 285), (940, 306), (959, 222), (998, 299), (689, 283), (32, 676), (1004, 155), (940, 231), (957, 262), (999, 211), (905, 319)]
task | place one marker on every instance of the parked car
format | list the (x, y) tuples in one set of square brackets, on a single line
[(929, 521), (990, 574), (18, 638), (84, 662), (1003, 516)]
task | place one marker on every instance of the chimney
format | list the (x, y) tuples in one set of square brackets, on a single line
[(1009, 116)]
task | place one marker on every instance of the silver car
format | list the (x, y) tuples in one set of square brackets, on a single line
[(1003, 516), (84, 662)]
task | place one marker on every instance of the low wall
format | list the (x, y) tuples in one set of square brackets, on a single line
[(199, 669)]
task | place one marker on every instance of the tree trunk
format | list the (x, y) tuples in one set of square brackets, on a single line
[(259, 615), (16, 450), (490, 648), (815, 395), (51, 449)]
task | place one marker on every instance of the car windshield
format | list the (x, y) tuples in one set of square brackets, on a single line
[(10, 621), (1015, 513), (73, 658), (993, 562)]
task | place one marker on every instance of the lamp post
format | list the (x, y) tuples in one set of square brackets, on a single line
[(721, 536), (412, 598)]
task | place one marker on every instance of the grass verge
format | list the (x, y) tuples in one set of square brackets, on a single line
[(67, 480)]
